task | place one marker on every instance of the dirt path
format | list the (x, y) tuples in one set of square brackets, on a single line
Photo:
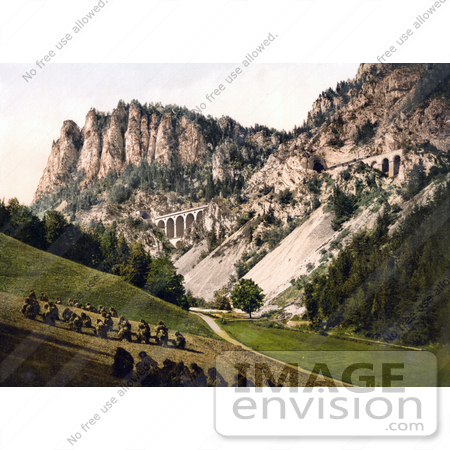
[(223, 334)]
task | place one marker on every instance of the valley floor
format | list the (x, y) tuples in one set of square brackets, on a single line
[(286, 344)]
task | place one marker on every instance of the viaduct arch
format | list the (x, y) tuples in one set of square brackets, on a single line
[(388, 163), (176, 224)]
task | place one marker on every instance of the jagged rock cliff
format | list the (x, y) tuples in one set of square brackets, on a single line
[(133, 134), (89, 159), (63, 159), (113, 151), (130, 137)]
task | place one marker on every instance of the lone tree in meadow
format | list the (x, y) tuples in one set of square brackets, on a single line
[(247, 295)]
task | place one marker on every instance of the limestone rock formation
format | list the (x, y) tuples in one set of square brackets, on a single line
[(192, 147), (165, 140), (130, 137), (232, 129), (63, 159), (220, 169), (153, 134), (89, 159), (113, 153), (133, 137)]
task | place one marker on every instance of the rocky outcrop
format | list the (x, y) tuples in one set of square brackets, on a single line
[(153, 134), (232, 129), (130, 137), (217, 217), (89, 159), (263, 140), (165, 140), (113, 154), (285, 169), (135, 133), (134, 144), (220, 169), (63, 159), (154, 205), (385, 108), (192, 147), (149, 240)]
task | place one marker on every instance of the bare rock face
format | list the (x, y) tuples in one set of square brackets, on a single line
[(218, 216), (89, 159), (151, 243), (385, 108), (132, 136), (165, 140), (113, 155), (192, 147), (133, 141), (366, 70), (145, 135), (153, 135), (63, 159), (400, 82), (220, 158), (286, 169)]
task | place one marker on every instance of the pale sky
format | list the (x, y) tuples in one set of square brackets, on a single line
[(32, 113)]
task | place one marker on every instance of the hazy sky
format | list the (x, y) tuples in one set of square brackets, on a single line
[(31, 113)]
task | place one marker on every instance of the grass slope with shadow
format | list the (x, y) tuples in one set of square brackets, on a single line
[(23, 267)]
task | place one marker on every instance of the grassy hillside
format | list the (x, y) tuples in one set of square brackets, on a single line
[(23, 268)]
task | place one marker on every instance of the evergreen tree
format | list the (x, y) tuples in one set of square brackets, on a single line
[(134, 269), (164, 282), (55, 226), (5, 214)]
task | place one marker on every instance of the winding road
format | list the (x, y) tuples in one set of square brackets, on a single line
[(224, 335)]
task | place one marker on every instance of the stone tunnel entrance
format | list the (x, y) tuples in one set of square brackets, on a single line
[(317, 164), (318, 167)]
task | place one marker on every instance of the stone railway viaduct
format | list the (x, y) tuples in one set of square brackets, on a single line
[(175, 224)]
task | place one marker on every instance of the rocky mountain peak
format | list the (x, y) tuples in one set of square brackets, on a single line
[(63, 158)]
